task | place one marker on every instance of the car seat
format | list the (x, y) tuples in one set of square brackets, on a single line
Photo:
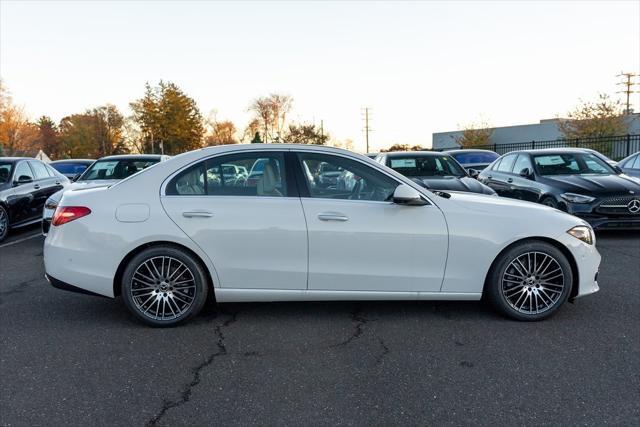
[(267, 182)]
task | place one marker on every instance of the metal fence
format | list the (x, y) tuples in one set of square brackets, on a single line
[(614, 147)]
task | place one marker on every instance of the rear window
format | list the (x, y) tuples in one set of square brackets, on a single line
[(116, 169), (475, 157)]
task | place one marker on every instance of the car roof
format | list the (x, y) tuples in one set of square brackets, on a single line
[(416, 153), (136, 156), (72, 161), (15, 159), (468, 150), (553, 150)]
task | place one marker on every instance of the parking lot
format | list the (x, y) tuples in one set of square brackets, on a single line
[(75, 359)]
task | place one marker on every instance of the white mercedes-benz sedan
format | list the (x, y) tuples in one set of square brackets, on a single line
[(193, 228)]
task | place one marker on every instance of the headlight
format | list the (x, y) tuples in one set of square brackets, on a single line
[(582, 232), (51, 203), (577, 198)]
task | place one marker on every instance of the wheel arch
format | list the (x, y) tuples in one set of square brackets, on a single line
[(572, 261), (117, 278)]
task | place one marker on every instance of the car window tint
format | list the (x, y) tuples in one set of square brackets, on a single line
[(5, 171), (421, 165), (523, 162), (188, 183), (496, 165), (23, 169), (228, 176), (70, 168), (475, 157), (506, 164), (336, 177), (40, 170)]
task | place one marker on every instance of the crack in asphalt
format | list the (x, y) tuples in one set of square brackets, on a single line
[(359, 320), (185, 395), (385, 351)]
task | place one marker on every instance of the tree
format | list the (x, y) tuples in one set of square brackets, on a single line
[(402, 147), (168, 118), (222, 133), (305, 134), (603, 117), (475, 135), (16, 131), (250, 132), (48, 137), (271, 113), (256, 139), (97, 132)]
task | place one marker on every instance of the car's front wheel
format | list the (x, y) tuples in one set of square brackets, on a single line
[(530, 281), (4, 223), (164, 286)]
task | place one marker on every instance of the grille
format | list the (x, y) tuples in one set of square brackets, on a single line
[(617, 205)]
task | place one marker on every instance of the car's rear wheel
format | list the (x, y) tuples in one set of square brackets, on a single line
[(4, 223), (530, 281), (164, 286)]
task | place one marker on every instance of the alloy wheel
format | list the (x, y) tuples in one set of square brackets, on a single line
[(163, 288), (533, 283)]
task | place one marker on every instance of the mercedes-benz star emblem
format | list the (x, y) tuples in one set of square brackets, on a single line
[(634, 206)]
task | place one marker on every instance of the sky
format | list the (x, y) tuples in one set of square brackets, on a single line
[(421, 67)]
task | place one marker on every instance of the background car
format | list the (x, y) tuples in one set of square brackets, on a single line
[(631, 165), (573, 180), (474, 161), (103, 172), (25, 184), (170, 236), (71, 168), (433, 170)]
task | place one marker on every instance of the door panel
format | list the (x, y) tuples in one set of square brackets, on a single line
[(255, 243), (375, 246)]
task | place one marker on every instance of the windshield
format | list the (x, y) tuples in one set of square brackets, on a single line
[(116, 169), (426, 166), (571, 164), (475, 157), (5, 171)]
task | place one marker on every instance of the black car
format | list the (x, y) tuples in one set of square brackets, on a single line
[(25, 184), (474, 161), (71, 168), (573, 180), (631, 165), (433, 170)]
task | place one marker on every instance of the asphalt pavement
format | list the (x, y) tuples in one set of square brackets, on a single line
[(70, 359)]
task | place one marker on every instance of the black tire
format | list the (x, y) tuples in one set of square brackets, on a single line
[(4, 223), (168, 277), (522, 283), (549, 201)]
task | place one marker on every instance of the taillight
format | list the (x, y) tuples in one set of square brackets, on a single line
[(65, 214)]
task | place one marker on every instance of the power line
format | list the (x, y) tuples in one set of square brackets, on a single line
[(628, 83), (367, 128)]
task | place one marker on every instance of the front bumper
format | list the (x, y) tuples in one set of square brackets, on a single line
[(601, 217)]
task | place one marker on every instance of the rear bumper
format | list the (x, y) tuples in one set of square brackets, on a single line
[(46, 225), (59, 284)]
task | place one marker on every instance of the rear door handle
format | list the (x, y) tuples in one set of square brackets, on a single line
[(510, 180), (197, 214), (37, 187), (332, 216)]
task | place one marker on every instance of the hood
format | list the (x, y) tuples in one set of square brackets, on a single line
[(453, 183), (593, 184)]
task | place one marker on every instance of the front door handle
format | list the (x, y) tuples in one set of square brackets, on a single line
[(510, 180), (332, 216), (37, 187), (197, 214)]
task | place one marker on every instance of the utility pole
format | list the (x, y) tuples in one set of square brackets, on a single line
[(367, 128), (628, 83), (321, 130)]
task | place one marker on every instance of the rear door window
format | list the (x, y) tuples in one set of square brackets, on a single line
[(40, 170), (506, 164)]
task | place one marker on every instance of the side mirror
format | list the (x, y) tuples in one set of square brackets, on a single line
[(23, 179), (473, 173), (618, 169), (405, 195), (526, 173), (75, 177)]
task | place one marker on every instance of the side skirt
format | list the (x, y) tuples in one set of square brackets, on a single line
[(266, 295)]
